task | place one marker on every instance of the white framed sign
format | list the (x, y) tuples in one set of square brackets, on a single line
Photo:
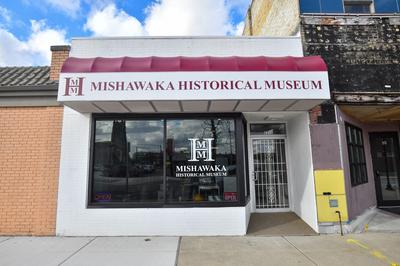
[(149, 86)]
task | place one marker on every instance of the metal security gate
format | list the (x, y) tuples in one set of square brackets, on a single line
[(270, 173)]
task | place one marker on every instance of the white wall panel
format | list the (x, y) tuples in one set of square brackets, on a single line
[(301, 170), (74, 219), (186, 46)]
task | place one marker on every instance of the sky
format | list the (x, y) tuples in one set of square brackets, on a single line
[(29, 27)]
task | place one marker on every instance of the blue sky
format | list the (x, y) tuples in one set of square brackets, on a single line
[(29, 27)]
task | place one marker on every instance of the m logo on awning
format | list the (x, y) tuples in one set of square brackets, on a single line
[(201, 149), (73, 86)]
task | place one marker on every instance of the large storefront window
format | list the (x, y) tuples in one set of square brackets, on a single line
[(201, 160), (166, 161)]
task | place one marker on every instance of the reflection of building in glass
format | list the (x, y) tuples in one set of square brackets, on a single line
[(144, 159), (118, 139), (201, 179)]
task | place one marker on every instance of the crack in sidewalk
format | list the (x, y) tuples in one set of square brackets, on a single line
[(177, 251), (4, 240), (77, 251), (299, 250)]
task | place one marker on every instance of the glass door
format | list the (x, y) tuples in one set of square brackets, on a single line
[(270, 173), (385, 159)]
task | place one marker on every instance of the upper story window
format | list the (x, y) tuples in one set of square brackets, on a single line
[(349, 6), (387, 6), (358, 6)]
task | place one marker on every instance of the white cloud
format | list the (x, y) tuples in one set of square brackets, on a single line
[(35, 50), (13, 52), (169, 17), (5, 16), (239, 29), (111, 21), (43, 37), (188, 17), (69, 7), (163, 17)]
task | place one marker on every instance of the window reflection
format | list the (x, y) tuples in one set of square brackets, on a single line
[(129, 164), (268, 129), (128, 161), (360, 8), (201, 160)]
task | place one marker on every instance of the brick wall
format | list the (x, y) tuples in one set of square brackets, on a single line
[(314, 114), (58, 55), (29, 167), (276, 18)]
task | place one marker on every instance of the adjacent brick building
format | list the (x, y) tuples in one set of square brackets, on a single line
[(30, 135), (265, 18)]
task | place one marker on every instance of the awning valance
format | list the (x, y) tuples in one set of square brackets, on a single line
[(148, 84), (181, 63)]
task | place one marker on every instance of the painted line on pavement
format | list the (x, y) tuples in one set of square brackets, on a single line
[(373, 252), (74, 253)]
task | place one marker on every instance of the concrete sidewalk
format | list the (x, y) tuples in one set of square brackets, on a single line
[(357, 249), (384, 221), (111, 251), (361, 249)]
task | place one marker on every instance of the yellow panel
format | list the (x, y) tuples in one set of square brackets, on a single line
[(329, 181), (327, 213)]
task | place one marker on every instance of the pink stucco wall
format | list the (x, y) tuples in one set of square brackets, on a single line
[(325, 146), (360, 197)]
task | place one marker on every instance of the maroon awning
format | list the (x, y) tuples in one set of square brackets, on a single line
[(210, 84), (180, 63)]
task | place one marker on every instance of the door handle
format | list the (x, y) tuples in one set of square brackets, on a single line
[(255, 178)]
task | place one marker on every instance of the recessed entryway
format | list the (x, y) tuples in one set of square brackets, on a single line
[(279, 163), (278, 224)]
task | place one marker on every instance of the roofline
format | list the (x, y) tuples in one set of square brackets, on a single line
[(19, 89), (29, 96), (182, 37)]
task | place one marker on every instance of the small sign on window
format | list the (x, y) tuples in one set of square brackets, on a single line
[(103, 197), (230, 196)]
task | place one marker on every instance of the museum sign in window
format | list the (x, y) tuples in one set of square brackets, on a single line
[(201, 160), (168, 161)]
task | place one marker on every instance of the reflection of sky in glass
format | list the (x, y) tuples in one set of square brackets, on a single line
[(142, 135), (183, 130), (147, 135), (103, 131)]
